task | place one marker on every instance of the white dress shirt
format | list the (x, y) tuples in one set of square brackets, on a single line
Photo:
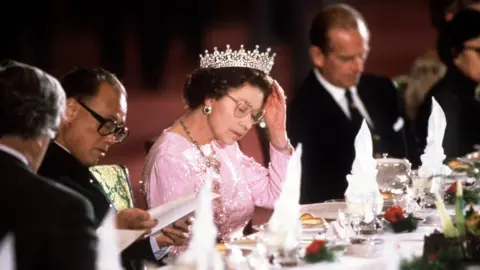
[(338, 94), (14, 153)]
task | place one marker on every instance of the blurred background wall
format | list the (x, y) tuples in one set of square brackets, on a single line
[(152, 46)]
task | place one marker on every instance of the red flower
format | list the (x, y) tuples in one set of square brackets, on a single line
[(394, 214), (315, 246), (452, 189), (432, 257)]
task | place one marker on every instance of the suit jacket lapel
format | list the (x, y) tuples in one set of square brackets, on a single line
[(321, 97), (62, 167), (369, 102)]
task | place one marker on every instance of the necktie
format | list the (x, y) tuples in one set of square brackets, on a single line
[(355, 117)]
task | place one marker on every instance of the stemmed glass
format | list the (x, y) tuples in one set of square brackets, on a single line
[(356, 220), (356, 209), (419, 188), (343, 221), (372, 207)]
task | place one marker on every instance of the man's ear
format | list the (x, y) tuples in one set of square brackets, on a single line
[(317, 56), (449, 16), (71, 110)]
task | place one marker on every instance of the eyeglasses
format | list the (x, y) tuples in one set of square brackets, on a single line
[(243, 108), (476, 49), (107, 126)]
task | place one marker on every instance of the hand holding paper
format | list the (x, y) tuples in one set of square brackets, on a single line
[(177, 234), (172, 211), (135, 219)]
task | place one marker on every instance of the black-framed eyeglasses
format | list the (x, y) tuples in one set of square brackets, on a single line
[(476, 49), (244, 108), (107, 126)]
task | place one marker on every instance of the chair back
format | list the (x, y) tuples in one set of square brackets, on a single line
[(115, 181)]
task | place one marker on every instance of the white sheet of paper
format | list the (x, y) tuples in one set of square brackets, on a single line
[(126, 237), (107, 255), (7, 253), (174, 210)]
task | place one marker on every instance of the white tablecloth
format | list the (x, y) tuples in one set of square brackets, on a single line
[(406, 245)]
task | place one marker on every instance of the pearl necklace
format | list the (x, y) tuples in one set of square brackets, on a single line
[(211, 161)]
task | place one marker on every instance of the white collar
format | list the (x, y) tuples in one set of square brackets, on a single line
[(61, 146), (14, 153), (337, 93)]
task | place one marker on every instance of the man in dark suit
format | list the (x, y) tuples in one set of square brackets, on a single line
[(94, 121), (327, 111), (52, 225)]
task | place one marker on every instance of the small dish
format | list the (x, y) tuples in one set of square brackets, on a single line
[(306, 228)]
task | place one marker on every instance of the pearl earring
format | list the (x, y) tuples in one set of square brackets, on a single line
[(207, 109)]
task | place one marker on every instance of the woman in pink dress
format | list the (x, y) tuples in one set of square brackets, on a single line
[(226, 96)]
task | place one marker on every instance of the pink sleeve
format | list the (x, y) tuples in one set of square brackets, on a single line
[(264, 183), (169, 179)]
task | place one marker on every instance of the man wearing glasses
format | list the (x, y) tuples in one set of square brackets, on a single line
[(94, 121), (459, 48)]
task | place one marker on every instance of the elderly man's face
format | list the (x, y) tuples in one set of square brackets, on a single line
[(468, 61), (344, 63), (82, 137)]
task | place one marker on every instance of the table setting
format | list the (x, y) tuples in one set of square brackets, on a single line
[(390, 218)]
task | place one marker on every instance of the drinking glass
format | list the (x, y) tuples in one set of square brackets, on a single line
[(343, 220), (356, 209), (436, 184), (419, 189)]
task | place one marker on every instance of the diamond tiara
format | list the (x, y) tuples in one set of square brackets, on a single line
[(241, 58)]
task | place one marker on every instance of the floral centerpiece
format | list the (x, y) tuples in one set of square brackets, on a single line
[(453, 247), (470, 195), (399, 221), (463, 238), (318, 251), (442, 260)]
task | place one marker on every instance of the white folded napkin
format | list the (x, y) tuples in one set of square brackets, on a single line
[(335, 229), (108, 250), (284, 227), (362, 181), (433, 156), (7, 253), (258, 259), (201, 253)]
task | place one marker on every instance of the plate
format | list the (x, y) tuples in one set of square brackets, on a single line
[(243, 244), (315, 228), (308, 229), (387, 203), (328, 210)]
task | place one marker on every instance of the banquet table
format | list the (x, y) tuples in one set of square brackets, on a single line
[(404, 245)]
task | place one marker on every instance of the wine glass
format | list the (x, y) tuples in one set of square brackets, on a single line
[(419, 188), (356, 221), (343, 221), (356, 209)]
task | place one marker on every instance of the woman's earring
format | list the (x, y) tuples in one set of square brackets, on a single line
[(207, 109)]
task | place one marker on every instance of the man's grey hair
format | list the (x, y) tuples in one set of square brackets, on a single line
[(32, 102)]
